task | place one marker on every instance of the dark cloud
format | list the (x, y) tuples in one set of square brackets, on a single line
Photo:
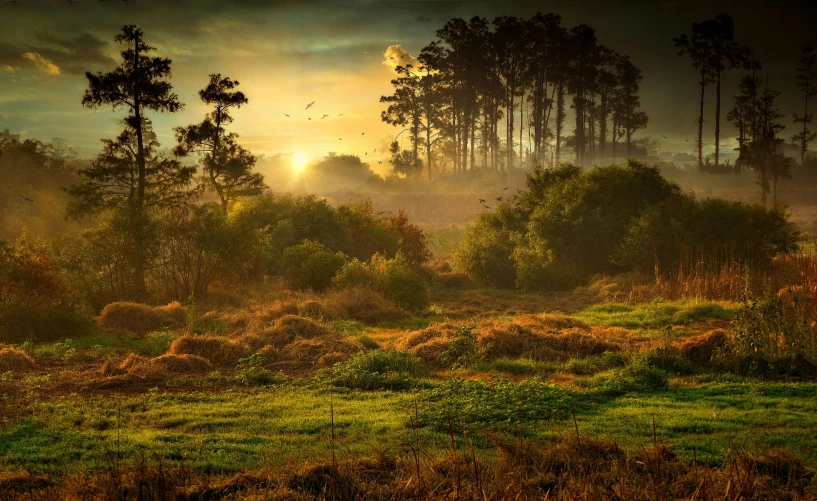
[(75, 54), (10, 56)]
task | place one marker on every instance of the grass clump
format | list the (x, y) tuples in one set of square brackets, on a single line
[(217, 350), (595, 364), (142, 318), (12, 359), (377, 370), (251, 372)]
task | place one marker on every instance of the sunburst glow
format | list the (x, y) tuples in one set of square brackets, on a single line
[(299, 161)]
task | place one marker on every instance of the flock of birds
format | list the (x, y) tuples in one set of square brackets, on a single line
[(498, 199), (309, 105)]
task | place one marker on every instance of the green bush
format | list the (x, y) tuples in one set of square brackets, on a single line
[(571, 224), (20, 323), (251, 372), (591, 365), (376, 370), (310, 265), (394, 278), (462, 351), (353, 229)]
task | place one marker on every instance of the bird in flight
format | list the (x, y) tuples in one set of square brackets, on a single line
[(27, 199), (309, 118), (309, 105), (285, 114), (366, 153), (341, 114), (324, 117), (340, 139), (505, 188), (663, 136), (362, 133), (379, 162), (486, 206), (498, 199), (482, 200), (687, 140)]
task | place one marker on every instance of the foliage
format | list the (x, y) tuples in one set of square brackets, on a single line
[(227, 165), (198, 245), (394, 278), (504, 405), (376, 370), (251, 372), (310, 265), (570, 225), (462, 350)]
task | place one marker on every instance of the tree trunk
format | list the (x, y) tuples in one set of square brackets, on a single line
[(701, 123), (560, 117), (718, 119)]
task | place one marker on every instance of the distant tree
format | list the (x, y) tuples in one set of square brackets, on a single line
[(725, 54), (405, 107), (228, 168), (508, 45), (606, 83), (584, 62), (805, 83), (699, 48), (744, 115), (627, 102), (140, 83), (765, 152)]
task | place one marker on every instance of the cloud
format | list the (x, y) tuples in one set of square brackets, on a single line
[(42, 63), (9, 68), (396, 55), (74, 55)]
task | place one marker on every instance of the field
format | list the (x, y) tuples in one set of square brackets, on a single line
[(537, 376)]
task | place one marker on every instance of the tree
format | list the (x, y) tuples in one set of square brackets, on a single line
[(744, 116), (140, 83), (626, 101), (699, 48), (227, 166), (765, 151), (582, 79), (405, 107), (508, 45), (805, 74), (725, 54), (113, 181)]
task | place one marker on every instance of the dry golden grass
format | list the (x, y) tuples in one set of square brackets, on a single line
[(142, 318), (318, 352), (364, 305), (573, 468), (701, 349), (12, 359), (537, 337), (181, 364), (217, 350)]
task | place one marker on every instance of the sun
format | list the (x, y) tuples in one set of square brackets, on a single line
[(299, 161)]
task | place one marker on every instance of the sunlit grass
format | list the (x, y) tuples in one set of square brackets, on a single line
[(656, 314)]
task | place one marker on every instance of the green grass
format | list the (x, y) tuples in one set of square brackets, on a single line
[(444, 241), (105, 344), (656, 314), (226, 432), (237, 430)]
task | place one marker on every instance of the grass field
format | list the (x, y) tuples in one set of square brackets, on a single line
[(609, 381)]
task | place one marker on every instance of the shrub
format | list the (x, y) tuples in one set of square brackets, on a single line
[(394, 278), (591, 365), (142, 318), (571, 224), (20, 323), (462, 350), (310, 265), (251, 372), (376, 370), (198, 245)]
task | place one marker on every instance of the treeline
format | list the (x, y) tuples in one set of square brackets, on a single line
[(713, 50), (477, 73)]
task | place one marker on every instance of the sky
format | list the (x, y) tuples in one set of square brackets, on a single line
[(288, 53)]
